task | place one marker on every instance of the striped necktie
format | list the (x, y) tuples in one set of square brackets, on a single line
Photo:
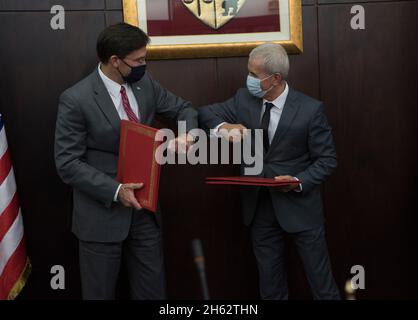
[(125, 101), (265, 125)]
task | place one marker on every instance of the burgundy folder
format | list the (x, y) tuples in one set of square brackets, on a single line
[(250, 181), (137, 163)]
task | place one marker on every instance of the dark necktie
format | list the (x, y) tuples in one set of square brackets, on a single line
[(265, 125), (127, 106)]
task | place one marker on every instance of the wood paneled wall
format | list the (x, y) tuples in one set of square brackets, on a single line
[(367, 80)]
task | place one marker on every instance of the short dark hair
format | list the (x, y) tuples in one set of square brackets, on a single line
[(120, 39)]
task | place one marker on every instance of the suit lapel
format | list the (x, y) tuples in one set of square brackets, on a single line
[(256, 106), (140, 98), (288, 114), (105, 103)]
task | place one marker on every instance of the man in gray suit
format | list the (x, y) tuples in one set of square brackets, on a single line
[(297, 144), (107, 219)]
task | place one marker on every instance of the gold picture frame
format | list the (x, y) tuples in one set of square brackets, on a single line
[(293, 45)]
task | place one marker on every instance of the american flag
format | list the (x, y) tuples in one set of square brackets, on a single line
[(15, 266)]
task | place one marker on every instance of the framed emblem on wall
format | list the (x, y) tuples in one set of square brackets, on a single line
[(215, 28)]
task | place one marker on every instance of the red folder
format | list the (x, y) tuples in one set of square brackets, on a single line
[(250, 181), (137, 163)]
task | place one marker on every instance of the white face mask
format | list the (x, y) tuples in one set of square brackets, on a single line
[(254, 86)]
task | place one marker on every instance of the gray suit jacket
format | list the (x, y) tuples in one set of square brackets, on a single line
[(87, 146), (302, 147)]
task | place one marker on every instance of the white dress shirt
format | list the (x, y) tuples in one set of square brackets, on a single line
[(114, 91), (275, 112)]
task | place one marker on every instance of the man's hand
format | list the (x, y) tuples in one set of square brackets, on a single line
[(232, 132), (181, 144), (289, 187), (127, 197)]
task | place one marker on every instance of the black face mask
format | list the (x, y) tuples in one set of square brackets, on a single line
[(136, 74)]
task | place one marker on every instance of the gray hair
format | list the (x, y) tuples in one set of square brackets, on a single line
[(274, 56)]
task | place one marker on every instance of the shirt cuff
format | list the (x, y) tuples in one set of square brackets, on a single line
[(215, 132), (299, 188), (115, 198), (194, 136)]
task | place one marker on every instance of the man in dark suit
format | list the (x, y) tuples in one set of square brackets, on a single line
[(107, 219), (297, 144)]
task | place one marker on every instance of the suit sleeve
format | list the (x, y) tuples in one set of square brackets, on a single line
[(70, 151), (213, 115), (322, 152), (173, 107)]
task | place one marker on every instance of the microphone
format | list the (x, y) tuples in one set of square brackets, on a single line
[(199, 260)]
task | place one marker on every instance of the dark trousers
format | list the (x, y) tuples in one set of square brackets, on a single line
[(142, 253), (268, 246)]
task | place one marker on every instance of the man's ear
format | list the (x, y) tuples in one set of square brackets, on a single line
[(278, 78), (114, 61)]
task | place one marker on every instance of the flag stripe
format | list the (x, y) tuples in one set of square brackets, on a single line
[(15, 266), (10, 241), (5, 166), (9, 215), (7, 191), (13, 269), (3, 141)]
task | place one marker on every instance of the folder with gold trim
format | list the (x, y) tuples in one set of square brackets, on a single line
[(250, 181), (137, 161)]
